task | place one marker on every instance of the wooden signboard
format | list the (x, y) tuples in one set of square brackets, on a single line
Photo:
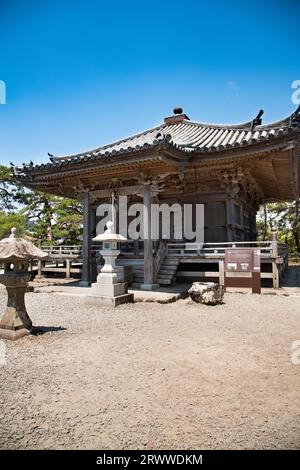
[(242, 268)]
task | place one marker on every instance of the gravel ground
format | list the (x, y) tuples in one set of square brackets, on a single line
[(146, 376)]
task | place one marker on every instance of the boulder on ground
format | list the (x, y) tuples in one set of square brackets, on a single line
[(208, 293)]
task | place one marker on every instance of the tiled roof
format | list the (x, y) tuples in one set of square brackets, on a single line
[(187, 137)]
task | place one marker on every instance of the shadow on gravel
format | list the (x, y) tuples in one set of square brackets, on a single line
[(41, 330)]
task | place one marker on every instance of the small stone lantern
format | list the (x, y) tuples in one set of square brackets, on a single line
[(109, 286), (16, 253)]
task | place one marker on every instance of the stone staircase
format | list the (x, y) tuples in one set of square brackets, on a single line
[(138, 273), (167, 271), (166, 274)]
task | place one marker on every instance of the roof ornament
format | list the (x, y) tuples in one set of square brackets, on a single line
[(51, 157), (258, 120), (177, 117), (295, 117), (161, 137), (177, 110)]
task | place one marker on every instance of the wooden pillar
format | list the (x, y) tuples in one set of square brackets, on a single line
[(86, 244), (230, 216), (93, 221), (93, 264), (148, 251), (243, 235)]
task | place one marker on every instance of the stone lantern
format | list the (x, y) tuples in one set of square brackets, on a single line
[(16, 253), (110, 286)]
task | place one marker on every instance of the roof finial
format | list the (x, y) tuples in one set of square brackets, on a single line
[(177, 117), (177, 110)]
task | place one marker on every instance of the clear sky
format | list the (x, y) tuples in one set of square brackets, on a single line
[(83, 73)]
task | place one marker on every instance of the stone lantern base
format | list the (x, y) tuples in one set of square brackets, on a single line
[(109, 291), (15, 322), (99, 300), (16, 253), (13, 335)]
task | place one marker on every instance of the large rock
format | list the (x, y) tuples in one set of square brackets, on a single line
[(208, 293)]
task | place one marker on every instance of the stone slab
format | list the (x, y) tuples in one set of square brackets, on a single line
[(105, 300), (13, 334), (109, 290)]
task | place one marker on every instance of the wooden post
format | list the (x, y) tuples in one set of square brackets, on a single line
[(39, 268), (274, 242), (221, 272), (39, 263), (148, 251), (86, 246), (68, 268), (275, 272)]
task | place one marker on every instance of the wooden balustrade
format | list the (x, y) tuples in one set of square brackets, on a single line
[(68, 258)]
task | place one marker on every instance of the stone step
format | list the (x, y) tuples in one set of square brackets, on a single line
[(170, 272), (165, 275), (171, 265), (164, 282)]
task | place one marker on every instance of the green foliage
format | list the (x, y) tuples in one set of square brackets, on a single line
[(8, 190), (7, 221), (284, 218), (68, 221), (40, 215)]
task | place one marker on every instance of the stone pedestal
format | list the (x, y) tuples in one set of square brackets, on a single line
[(14, 321), (109, 290)]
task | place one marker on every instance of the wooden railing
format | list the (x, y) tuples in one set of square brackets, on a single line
[(62, 250), (68, 258), (160, 254), (267, 248)]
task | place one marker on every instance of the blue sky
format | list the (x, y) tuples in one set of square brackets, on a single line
[(80, 74)]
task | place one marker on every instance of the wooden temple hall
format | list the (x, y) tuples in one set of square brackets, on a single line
[(231, 169)]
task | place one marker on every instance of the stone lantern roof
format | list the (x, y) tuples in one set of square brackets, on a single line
[(15, 248), (109, 235)]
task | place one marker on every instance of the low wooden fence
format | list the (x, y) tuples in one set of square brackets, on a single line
[(67, 259), (272, 252)]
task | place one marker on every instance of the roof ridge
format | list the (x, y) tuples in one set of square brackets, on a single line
[(105, 146), (246, 126), (243, 125)]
